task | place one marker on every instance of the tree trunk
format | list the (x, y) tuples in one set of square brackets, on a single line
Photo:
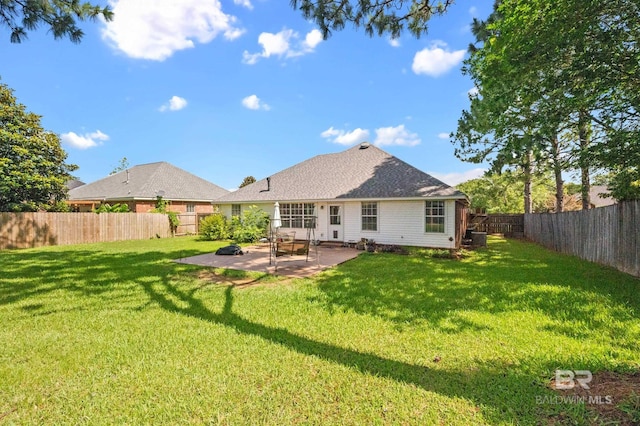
[(557, 171), (528, 201), (584, 135)]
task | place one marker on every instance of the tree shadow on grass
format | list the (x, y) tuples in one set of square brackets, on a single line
[(92, 273), (579, 298), (498, 392), (501, 393)]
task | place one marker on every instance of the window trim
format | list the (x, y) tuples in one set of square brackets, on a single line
[(373, 212), (297, 214), (432, 212), (335, 219)]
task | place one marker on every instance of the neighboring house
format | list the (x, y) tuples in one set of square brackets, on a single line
[(362, 192), (598, 200), (140, 186), (74, 183)]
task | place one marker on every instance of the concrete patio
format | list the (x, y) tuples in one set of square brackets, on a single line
[(256, 258)]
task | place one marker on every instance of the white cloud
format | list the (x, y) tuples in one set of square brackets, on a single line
[(459, 177), (244, 3), (255, 103), (384, 136), (394, 42), (473, 92), (473, 11), (285, 44), (395, 136), (88, 140), (155, 29), (346, 138), (436, 60), (176, 103), (311, 40), (443, 135)]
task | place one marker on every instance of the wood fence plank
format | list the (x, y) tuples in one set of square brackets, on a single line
[(22, 230), (606, 235)]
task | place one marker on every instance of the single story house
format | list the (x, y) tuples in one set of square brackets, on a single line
[(363, 192), (140, 186)]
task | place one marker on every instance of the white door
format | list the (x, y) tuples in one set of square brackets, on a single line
[(335, 223)]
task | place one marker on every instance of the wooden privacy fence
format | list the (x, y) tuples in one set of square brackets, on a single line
[(606, 235), (22, 230), (190, 223), (507, 224)]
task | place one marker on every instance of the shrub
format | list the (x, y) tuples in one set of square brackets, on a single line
[(58, 206), (116, 208), (214, 227), (161, 207), (440, 253), (251, 226)]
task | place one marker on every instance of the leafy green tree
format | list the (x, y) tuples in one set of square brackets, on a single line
[(590, 51), (502, 193), (33, 171), (562, 73), (60, 16), (247, 181), (121, 167), (376, 16), (625, 184)]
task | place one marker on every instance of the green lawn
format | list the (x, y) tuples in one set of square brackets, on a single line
[(117, 333)]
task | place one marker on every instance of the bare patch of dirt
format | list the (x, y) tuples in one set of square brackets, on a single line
[(612, 398)]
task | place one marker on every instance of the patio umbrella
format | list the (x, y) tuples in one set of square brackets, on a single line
[(276, 222)]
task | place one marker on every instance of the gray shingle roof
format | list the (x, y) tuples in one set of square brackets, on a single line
[(596, 199), (74, 183), (146, 181), (361, 172)]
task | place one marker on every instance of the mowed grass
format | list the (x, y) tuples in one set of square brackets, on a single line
[(118, 333)]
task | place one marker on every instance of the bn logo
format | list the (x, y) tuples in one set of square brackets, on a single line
[(566, 379)]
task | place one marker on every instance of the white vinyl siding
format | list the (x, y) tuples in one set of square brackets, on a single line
[(399, 222), (402, 223)]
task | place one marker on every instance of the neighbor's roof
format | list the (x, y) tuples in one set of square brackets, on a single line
[(596, 199), (361, 172), (147, 181), (74, 183)]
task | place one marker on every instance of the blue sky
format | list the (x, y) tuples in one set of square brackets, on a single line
[(231, 89)]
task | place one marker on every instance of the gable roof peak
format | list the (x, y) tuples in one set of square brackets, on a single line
[(362, 171), (147, 181)]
